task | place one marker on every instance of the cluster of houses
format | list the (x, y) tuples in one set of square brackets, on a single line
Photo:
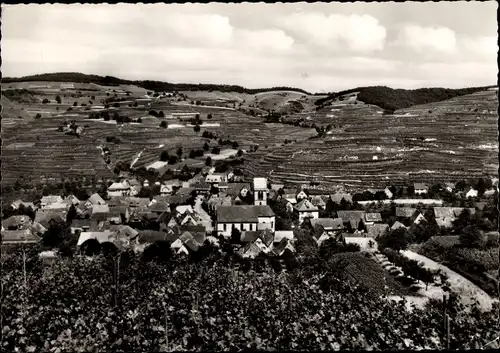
[(232, 210)]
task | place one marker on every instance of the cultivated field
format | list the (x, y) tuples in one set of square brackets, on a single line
[(442, 141)]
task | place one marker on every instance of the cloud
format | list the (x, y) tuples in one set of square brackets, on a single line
[(267, 39), (361, 33), (420, 39), (481, 45)]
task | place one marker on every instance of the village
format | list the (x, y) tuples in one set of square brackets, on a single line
[(255, 217)]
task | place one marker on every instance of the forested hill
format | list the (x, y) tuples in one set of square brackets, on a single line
[(392, 99), (150, 85)]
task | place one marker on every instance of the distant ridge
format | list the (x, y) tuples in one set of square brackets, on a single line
[(393, 99), (147, 84)]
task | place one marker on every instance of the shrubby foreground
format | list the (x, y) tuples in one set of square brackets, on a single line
[(208, 304)]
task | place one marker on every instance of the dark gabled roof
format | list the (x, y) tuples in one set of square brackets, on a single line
[(419, 186), (121, 209), (15, 221), (44, 217), (192, 244), (280, 247), (337, 197), (159, 207), (79, 223), (376, 230), (243, 213), (19, 236), (305, 206), (405, 212), (351, 215), (250, 236), (328, 223), (202, 186), (373, 217), (150, 236), (267, 237), (192, 229)]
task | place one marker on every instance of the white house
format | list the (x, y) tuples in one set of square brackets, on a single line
[(306, 209), (216, 178), (301, 195), (119, 189), (471, 193), (260, 191), (388, 193), (166, 190), (450, 187), (51, 199), (244, 218), (183, 209), (420, 188)]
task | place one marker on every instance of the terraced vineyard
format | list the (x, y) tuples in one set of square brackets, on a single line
[(448, 140)]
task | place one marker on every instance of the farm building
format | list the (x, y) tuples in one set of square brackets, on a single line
[(471, 193), (446, 215), (247, 217), (260, 191), (306, 209), (420, 188)]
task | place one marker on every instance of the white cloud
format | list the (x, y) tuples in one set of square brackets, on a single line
[(420, 39), (482, 45), (356, 32), (267, 39)]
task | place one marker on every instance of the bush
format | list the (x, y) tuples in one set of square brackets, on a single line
[(45, 101), (216, 150), (161, 114), (208, 162), (153, 113), (164, 124), (196, 128), (38, 116)]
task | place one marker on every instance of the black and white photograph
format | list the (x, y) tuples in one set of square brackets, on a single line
[(249, 177)]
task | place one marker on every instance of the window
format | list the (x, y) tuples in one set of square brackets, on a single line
[(260, 195), (272, 224), (225, 228), (250, 226), (241, 226)]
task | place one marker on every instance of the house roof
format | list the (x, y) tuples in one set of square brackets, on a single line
[(100, 209), (19, 236), (71, 200), (243, 213), (450, 212), (184, 208), (280, 247), (376, 230), (51, 199), (250, 236), (281, 234), (150, 236), (450, 185), (192, 244), (57, 206), (317, 201), (305, 206), (37, 228), (259, 183), (419, 186), (79, 223), (18, 203), (480, 205), (160, 207), (137, 201), (267, 237), (328, 223), (397, 225), (95, 199), (101, 237), (215, 178), (124, 231), (337, 197), (119, 186), (351, 215), (234, 189), (16, 221), (405, 212), (373, 217), (121, 209), (201, 186), (276, 187), (250, 250), (44, 217)]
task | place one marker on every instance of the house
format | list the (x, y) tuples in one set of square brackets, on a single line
[(306, 209), (397, 225), (37, 228), (94, 199), (238, 189), (159, 207), (135, 187), (14, 237), (337, 197), (446, 215), (301, 195), (376, 230), (489, 192), (45, 216), (328, 224), (16, 204), (372, 218), (419, 217), (119, 189), (280, 234), (51, 199), (215, 179), (82, 225), (16, 223), (290, 198), (71, 200), (365, 243), (148, 237), (217, 201), (146, 183), (280, 247), (246, 217), (405, 212), (122, 210), (277, 187), (471, 193), (183, 209), (318, 202), (124, 231), (250, 250), (188, 219), (420, 188), (260, 191), (449, 187), (201, 188), (57, 206), (99, 209), (265, 240), (101, 237), (352, 218)]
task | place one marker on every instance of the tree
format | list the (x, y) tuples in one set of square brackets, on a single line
[(216, 150), (208, 162), (161, 114), (55, 234), (240, 153), (397, 239), (58, 99), (164, 124), (71, 214), (75, 104), (206, 147), (164, 156), (45, 101), (235, 145), (179, 152), (235, 236), (196, 128), (153, 113), (209, 116), (471, 237)]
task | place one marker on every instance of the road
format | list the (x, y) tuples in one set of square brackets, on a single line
[(206, 219)]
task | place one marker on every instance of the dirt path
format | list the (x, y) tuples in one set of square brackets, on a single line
[(467, 290)]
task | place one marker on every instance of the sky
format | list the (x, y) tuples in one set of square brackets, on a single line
[(319, 47)]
